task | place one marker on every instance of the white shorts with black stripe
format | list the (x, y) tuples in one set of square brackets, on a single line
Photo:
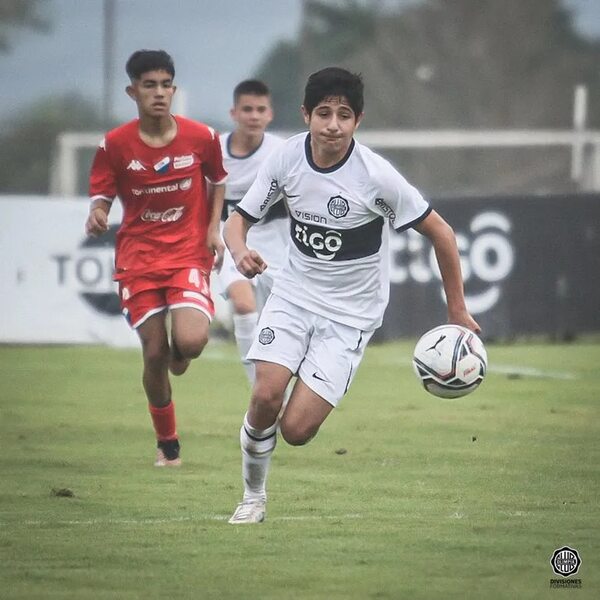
[(323, 353)]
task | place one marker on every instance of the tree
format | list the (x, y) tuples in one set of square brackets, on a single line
[(19, 14), (27, 143), (456, 64)]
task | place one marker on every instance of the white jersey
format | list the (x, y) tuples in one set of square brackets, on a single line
[(338, 264), (270, 237)]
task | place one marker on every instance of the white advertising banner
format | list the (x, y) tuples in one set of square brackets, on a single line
[(56, 282)]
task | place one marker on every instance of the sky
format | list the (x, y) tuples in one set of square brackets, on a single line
[(215, 44)]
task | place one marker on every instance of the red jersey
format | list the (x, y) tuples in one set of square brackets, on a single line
[(163, 192)]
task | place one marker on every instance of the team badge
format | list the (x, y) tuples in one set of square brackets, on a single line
[(181, 162), (338, 207), (266, 336), (162, 165)]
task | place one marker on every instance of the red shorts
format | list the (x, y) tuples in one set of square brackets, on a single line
[(144, 296)]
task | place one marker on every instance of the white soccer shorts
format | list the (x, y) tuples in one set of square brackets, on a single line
[(323, 353)]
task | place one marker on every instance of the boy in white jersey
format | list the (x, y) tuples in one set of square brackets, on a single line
[(331, 294), (244, 149)]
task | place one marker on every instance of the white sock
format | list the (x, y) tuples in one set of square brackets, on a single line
[(257, 448), (244, 327)]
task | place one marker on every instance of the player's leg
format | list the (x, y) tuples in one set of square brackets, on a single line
[(240, 292), (191, 306), (332, 359), (189, 336), (278, 350), (155, 351), (258, 437), (304, 414), (245, 319)]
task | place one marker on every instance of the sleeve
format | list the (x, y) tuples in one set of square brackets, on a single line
[(103, 181), (213, 168), (398, 201), (265, 191)]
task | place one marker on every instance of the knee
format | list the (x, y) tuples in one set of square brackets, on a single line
[(192, 346), (297, 434), (156, 355), (243, 306), (266, 398)]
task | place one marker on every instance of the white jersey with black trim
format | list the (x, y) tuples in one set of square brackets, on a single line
[(338, 263), (269, 238)]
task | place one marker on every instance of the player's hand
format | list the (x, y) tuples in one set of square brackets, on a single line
[(216, 246), (250, 264), (466, 320), (97, 222)]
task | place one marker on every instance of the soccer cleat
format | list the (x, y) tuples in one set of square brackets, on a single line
[(167, 454), (249, 511)]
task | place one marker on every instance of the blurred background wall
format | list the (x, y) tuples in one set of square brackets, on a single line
[(497, 103)]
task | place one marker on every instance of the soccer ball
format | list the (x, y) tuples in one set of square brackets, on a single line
[(450, 361)]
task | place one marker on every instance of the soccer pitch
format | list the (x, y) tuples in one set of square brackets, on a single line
[(401, 495)]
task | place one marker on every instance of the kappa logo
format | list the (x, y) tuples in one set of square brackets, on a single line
[(135, 165), (162, 165), (338, 207)]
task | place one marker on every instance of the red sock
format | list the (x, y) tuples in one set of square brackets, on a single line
[(163, 419)]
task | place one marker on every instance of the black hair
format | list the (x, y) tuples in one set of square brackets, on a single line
[(255, 87), (142, 61), (334, 82)]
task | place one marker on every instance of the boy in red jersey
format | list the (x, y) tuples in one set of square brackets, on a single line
[(169, 237)]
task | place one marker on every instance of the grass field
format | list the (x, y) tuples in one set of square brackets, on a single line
[(400, 495)]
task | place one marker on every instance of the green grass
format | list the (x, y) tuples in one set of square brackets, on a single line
[(432, 499)]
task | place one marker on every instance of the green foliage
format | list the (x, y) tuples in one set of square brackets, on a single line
[(27, 143), (431, 500), (19, 14)]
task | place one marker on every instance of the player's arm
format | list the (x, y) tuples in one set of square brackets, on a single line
[(102, 190), (443, 240), (248, 262), (97, 221), (216, 196)]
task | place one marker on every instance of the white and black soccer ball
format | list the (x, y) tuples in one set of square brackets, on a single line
[(450, 361)]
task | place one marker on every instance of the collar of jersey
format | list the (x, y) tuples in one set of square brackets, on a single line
[(309, 157), (232, 155)]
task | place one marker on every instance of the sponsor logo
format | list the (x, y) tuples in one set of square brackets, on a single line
[(181, 162), (184, 184), (338, 207), (565, 561), (162, 165), (317, 376), (135, 165), (90, 270), (167, 216), (386, 209), (487, 258), (323, 245), (306, 216), (266, 336), (272, 189)]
